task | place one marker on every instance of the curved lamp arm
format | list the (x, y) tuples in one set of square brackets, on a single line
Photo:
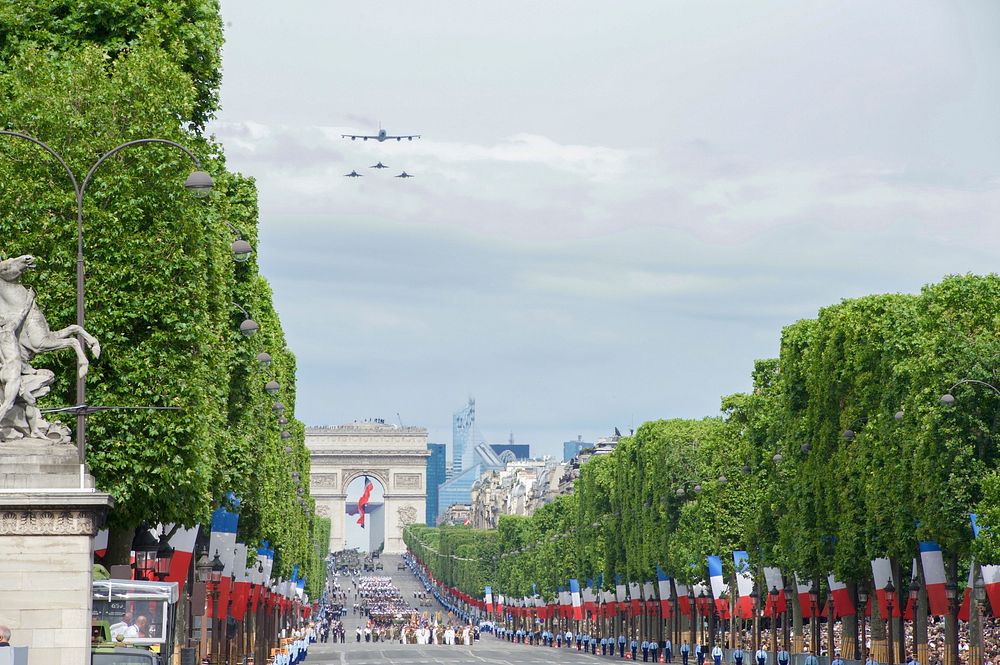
[(110, 153), (51, 151)]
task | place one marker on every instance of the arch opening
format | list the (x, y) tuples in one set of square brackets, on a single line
[(371, 536)]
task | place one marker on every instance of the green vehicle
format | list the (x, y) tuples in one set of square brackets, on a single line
[(132, 622)]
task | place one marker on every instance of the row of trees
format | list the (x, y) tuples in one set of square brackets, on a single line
[(161, 282), (843, 452)]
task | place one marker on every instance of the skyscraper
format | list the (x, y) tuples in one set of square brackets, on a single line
[(463, 437), (437, 465)]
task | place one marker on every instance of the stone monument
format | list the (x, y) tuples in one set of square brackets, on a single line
[(49, 508)]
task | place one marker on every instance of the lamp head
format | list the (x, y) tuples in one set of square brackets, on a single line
[(199, 183), (241, 250)]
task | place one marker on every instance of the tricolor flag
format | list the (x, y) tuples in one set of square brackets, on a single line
[(683, 599), (649, 595), (241, 586), (488, 599), (773, 580), (700, 591), (744, 584), (882, 573), (933, 563), (588, 597), (842, 603), (574, 590), (635, 595), (500, 604), (802, 588), (718, 584), (223, 543), (101, 543), (183, 543), (663, 582), (363, 501)]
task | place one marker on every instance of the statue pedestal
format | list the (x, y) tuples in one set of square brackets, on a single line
[(49, 515)]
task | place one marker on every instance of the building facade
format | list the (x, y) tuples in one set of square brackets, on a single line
[(519, 489), (394, 456), (437, 468)]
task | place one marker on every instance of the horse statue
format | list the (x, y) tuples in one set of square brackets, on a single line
[(24, 334)]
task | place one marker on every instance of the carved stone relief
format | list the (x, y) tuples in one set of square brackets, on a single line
[(43, 522), (407, 481), (407, 515)]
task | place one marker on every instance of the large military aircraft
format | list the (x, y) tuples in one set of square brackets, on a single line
[(353, 174), (381, 136), (380, 165), (404, 174)]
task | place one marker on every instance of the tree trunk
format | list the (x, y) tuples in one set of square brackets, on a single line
[(119, 547), (849, 635), (880, 647), (797, 641)]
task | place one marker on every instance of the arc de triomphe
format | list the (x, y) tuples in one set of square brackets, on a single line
[(395, 456)]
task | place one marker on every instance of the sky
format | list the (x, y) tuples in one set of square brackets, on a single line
[(617, 206)]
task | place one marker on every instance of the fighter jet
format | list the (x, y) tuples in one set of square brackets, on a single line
[(381, 136), (353, 174), (380, 165), (404, 174)]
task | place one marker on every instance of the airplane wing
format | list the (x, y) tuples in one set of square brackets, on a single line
[(356, 136), (409, 137)]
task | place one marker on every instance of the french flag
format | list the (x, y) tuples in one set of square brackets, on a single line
[(574, 593), (881, 574), (183, 543), (773, 580), (223, 543), (842, 604), (719, 586), (635, 594), (663, 584), (649, 595), (933, 562), (744, 584), (683, 600), (241, 586), (363, 501), (804, 601), (101, 543), (488, 598), (588, 597)]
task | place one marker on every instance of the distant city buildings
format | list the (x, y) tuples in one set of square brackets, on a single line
[(509, 452), (519, 489), (603, 446), (457, 488), (457, 513), (572, 448), (437, 466)]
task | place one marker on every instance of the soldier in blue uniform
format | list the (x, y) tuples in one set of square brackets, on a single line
[(760, 656), (699, 654), (668, 650), (685, 652), (738, 656), (621, 645), (717, 655), (645, 650), (633, 646), (783, 658), (653, 648)]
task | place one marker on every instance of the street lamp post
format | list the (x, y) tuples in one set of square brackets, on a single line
[(915, 604), (890, 600), (862, 604), (774, 621), (814, 613), (979, 594), (951, 625), (199, 182)]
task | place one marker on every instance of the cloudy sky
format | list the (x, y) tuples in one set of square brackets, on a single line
[(618, 205)]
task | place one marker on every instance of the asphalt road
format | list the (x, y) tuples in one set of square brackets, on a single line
[(488, 650)]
